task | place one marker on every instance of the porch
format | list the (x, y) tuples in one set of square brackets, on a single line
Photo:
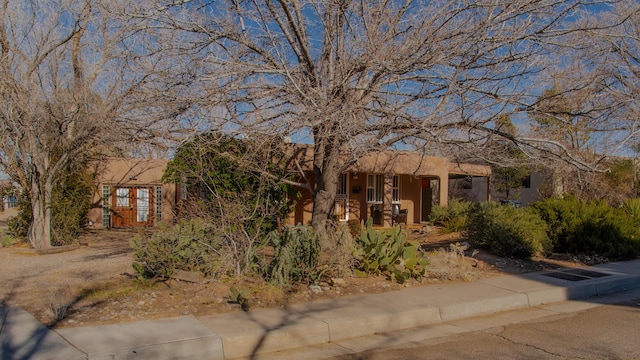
[(384, 185)]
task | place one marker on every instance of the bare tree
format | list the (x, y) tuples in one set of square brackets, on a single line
[(615, 50), (587, 107), (74, 79), (353, 77)]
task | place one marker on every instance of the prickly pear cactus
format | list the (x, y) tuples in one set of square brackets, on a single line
[(389, 253)]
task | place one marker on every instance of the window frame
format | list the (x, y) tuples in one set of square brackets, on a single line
[(395, 190), (122, 199), (375, 189)]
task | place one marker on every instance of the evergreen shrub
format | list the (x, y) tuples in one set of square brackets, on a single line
[(453, 217), (70, 204), (591, 227), (507, 231)]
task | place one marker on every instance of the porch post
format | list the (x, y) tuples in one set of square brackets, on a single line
[(443, 187)]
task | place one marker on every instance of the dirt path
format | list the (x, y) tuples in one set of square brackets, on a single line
[(42, 283)]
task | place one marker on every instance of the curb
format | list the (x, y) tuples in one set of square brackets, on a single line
[(321, 322), (174, 338), (268, 331)]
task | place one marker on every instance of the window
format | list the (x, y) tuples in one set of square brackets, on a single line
[(374, 189), (122, 195), (395, 190), (341, 208), (142, 205), (526, 182)]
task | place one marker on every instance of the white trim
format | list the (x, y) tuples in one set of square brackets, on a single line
[(375, 189), (395, 190)]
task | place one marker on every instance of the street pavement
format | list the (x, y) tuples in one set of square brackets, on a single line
[(607, 329), (326, 328)]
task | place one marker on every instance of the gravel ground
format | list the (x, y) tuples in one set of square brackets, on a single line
[(41, 283)]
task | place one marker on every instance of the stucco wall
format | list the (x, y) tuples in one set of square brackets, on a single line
[(359, 209), (477, 193)]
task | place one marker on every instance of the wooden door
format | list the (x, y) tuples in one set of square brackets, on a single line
[(132, 206)]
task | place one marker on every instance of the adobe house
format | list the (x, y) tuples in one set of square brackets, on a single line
[(130, 193), (391, 187)]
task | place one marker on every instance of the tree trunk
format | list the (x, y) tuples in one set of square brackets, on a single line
[(325, 166), (323, 202), (39, 235)]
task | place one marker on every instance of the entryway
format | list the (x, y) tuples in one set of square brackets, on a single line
[(132, 206), (430, 192)]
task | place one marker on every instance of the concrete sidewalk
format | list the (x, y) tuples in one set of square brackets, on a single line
[(246, 334)]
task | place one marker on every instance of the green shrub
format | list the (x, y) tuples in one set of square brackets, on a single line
[(70, 204), (296, 255), (389, 253), (438, 215), (240, 296), (223, 171), (190, 245), (563, 216), (239, 185), (452, 218), (18, 226), (507, 231), (7, 240), (632, 208), (592, 227)]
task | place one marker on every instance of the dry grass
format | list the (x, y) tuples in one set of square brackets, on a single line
[(60, 300), (269, 294), (447, 265)]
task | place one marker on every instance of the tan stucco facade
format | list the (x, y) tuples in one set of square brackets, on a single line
[(120, 177), (423, 183)]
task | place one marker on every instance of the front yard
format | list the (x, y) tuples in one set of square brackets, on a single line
[(96, 284)]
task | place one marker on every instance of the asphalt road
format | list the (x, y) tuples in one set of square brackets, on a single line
[(603, 332)]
